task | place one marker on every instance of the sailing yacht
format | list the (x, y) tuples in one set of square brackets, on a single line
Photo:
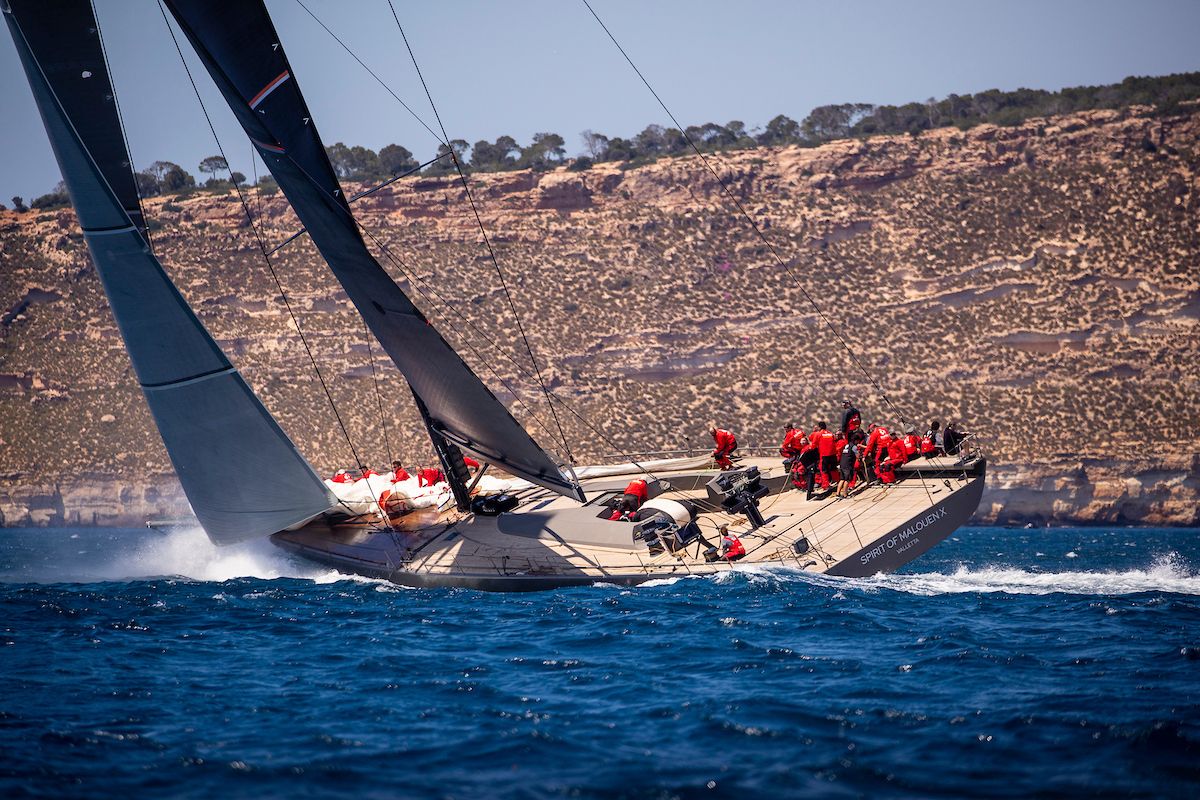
[(553, 525)]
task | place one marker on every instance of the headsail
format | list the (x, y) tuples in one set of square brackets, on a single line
[(209, 419), (237, 42)]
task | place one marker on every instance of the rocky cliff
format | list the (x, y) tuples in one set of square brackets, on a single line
[(1039, 282)]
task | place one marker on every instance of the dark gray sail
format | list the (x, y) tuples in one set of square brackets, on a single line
[(241, 473), (237, 42)]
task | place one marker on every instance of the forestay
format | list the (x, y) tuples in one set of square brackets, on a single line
[(237, 42), (210, 421)]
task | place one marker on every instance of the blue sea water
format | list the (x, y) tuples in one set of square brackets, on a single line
[(1005, 663)]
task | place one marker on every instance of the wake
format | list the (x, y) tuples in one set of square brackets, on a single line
[(1167, 573)]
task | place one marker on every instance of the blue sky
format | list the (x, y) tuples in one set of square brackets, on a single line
[(524, 66)]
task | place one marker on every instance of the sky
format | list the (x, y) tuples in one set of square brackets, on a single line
[(517, 67)]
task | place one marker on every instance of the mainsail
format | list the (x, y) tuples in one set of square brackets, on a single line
[(237, 42), (209, 419)]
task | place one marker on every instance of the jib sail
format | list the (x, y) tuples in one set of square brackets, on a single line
[(209, 419)]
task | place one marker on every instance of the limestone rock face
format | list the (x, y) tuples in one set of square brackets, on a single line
[(1039, 282)]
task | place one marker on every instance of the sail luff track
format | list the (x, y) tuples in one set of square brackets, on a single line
[(210, 421), (238, 44)]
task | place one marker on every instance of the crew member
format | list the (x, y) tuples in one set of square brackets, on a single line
[(929, 443), (399, 473), (912, 445), (791, 443), (846, 469), (952, 439), (342, 476), (471, 463), (429, 476), (894, 457), (871, 463), (726, 443), (827, 450), (851, 419), (731, 546), (636, 493)]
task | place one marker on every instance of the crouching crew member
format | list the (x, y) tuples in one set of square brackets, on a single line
[(636, 493), (726, 443), (912, 445), (399, 473), (731, 546), (429, 476)]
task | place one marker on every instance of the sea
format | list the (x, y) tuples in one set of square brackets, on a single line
[(1059, 662)]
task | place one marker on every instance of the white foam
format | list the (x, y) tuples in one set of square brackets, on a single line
[(188, 553), (1169, 573)]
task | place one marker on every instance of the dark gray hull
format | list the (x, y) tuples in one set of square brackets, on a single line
[(930, 506)]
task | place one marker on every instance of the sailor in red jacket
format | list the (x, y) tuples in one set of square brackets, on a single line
[(342, 476), (929, 443), (731, 546), (636, 493), (826, 444), (399, 473), (726, 443), (429, 476), (791, 442), (912, 444), (471, 463)]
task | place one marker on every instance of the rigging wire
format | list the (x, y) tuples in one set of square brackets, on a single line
[(407, 108), (412, 276), (753, 224), (416, 280), (357, 196), (378, 395), (124, 136), (483, 232), (263, 248)]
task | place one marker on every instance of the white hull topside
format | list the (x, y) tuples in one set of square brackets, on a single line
[(549, 541)]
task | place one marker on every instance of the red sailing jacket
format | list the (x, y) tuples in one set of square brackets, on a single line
[(429, 476), (638, 489), (825, 443), (343, 477), (400, 474), (885, 441), (896, 452), (470, 462), (726, 441), (736, 548), (912, 444), (873, 440), (927, 444)]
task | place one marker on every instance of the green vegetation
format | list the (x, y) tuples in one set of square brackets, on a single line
[(55, 198), (547, 150)]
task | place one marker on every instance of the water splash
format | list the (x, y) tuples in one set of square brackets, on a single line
[(1167, 573), (188, 553)]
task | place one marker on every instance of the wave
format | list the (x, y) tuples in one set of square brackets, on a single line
[(1167, 573), (188, 553)]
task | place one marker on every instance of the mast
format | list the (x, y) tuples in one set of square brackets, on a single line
[(237, 42), (240, 471)]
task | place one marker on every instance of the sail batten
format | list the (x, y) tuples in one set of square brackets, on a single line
[(237, 42), (210, 421)]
